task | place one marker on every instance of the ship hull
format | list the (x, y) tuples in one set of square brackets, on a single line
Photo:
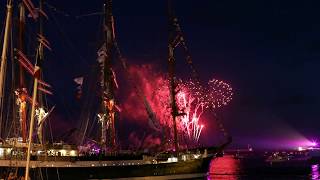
[(122, 169)]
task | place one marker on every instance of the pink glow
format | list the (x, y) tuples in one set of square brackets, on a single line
[(313, 143)]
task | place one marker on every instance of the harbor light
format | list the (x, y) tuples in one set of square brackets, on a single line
[(63, 152), (314, 143), (73, 153), (172, 159), (196, 156)]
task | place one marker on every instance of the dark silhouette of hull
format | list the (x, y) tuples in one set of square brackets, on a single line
[(123, 169)]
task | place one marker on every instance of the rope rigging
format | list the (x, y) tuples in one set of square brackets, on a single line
[(176, 39)]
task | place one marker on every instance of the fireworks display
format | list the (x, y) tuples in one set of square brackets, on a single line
[(219, 93), (192, 100), (192, 109), (214, 95)]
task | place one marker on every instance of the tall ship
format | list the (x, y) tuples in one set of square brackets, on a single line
[(24, 152)]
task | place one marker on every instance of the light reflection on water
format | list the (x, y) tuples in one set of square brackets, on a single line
[(315, 172), (228, 168), (224, 168)]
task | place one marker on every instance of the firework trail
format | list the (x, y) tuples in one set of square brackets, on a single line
[(192, 109)]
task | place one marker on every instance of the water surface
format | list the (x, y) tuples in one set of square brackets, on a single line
[(229, 168)]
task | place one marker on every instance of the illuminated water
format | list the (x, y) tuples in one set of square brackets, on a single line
[(228, 168)]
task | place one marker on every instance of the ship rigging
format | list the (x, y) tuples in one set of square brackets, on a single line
[(52, 158)]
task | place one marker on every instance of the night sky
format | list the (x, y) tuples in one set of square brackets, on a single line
[(267, 50)]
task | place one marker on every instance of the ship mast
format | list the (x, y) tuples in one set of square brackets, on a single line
[(172, 78), (39, 59), (107, 111), (4, 59), (22, 87)]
